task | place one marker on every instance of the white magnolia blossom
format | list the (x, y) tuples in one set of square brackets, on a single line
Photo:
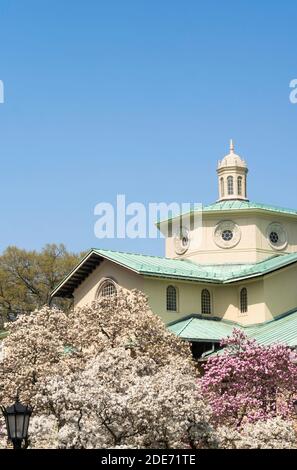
[(119, 400), (107, 375), (1, 350), (43, 432), (110, 375), (274, 433)]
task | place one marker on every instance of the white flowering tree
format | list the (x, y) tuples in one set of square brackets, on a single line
[(110, 375), (107, 375), (125, 401), (274, 433)]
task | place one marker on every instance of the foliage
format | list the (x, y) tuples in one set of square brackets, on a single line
[(28, 277), (250, 382), (275, 433), (33, 349), (106, 375), (121, 400), (110, 375)]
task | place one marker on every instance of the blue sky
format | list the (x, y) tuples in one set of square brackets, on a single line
[(139, 98)]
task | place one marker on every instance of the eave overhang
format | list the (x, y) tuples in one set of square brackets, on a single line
[(164, 268), (77, 275)]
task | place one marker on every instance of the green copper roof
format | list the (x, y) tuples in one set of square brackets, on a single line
[(280, 330), (189, 270), (246, 205), (201, 329), (182, 269), (237, 205)]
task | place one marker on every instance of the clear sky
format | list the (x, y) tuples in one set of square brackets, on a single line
[(139, 98)]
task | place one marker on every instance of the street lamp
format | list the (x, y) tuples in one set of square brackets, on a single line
[(17, 417)]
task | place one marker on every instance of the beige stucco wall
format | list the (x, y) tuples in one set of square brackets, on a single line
[(86, 292), (267, 297), (253, 246), (262, 223), (225, 300), (188, 298), (280, 292)]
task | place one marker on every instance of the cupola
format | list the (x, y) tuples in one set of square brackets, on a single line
[(232, 175)]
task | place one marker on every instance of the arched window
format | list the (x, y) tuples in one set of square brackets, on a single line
[(230, 185), (171, 299), (222, 187), (243, 300), (239, 185), (205, 302), (107, 289)]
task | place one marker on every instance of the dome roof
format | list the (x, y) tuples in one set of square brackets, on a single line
[(232, 159)]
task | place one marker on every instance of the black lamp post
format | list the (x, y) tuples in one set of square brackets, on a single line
[(17, 417), (295, 406)]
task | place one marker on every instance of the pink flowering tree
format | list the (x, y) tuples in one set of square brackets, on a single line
[(249, 382)]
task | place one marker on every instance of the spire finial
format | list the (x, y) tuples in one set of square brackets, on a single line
[(231, 146)]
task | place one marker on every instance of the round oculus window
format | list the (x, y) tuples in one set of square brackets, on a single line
[(277, 236), (227, 234), (184, 241), (274, 238), (181, 241)]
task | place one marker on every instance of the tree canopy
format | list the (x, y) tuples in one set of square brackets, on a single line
[(250, 382), (107, 375), (111, 375), (28, 277)]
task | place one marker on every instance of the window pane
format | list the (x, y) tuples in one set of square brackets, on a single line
[(222, 187), (243, 300), (230, 185), (171, 299), (205, 302), (239, 181), (107, 290)]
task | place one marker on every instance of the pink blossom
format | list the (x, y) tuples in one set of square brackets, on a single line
[(249, 381)]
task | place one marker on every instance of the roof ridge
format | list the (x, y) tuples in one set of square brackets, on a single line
[(187, 324), (130, 253), (147, 256), (246, 268), (250, 204), (235, 205)]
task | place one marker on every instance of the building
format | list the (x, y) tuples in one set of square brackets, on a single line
[(243, 271)]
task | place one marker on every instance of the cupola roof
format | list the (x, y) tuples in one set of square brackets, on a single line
[(232, 159)]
